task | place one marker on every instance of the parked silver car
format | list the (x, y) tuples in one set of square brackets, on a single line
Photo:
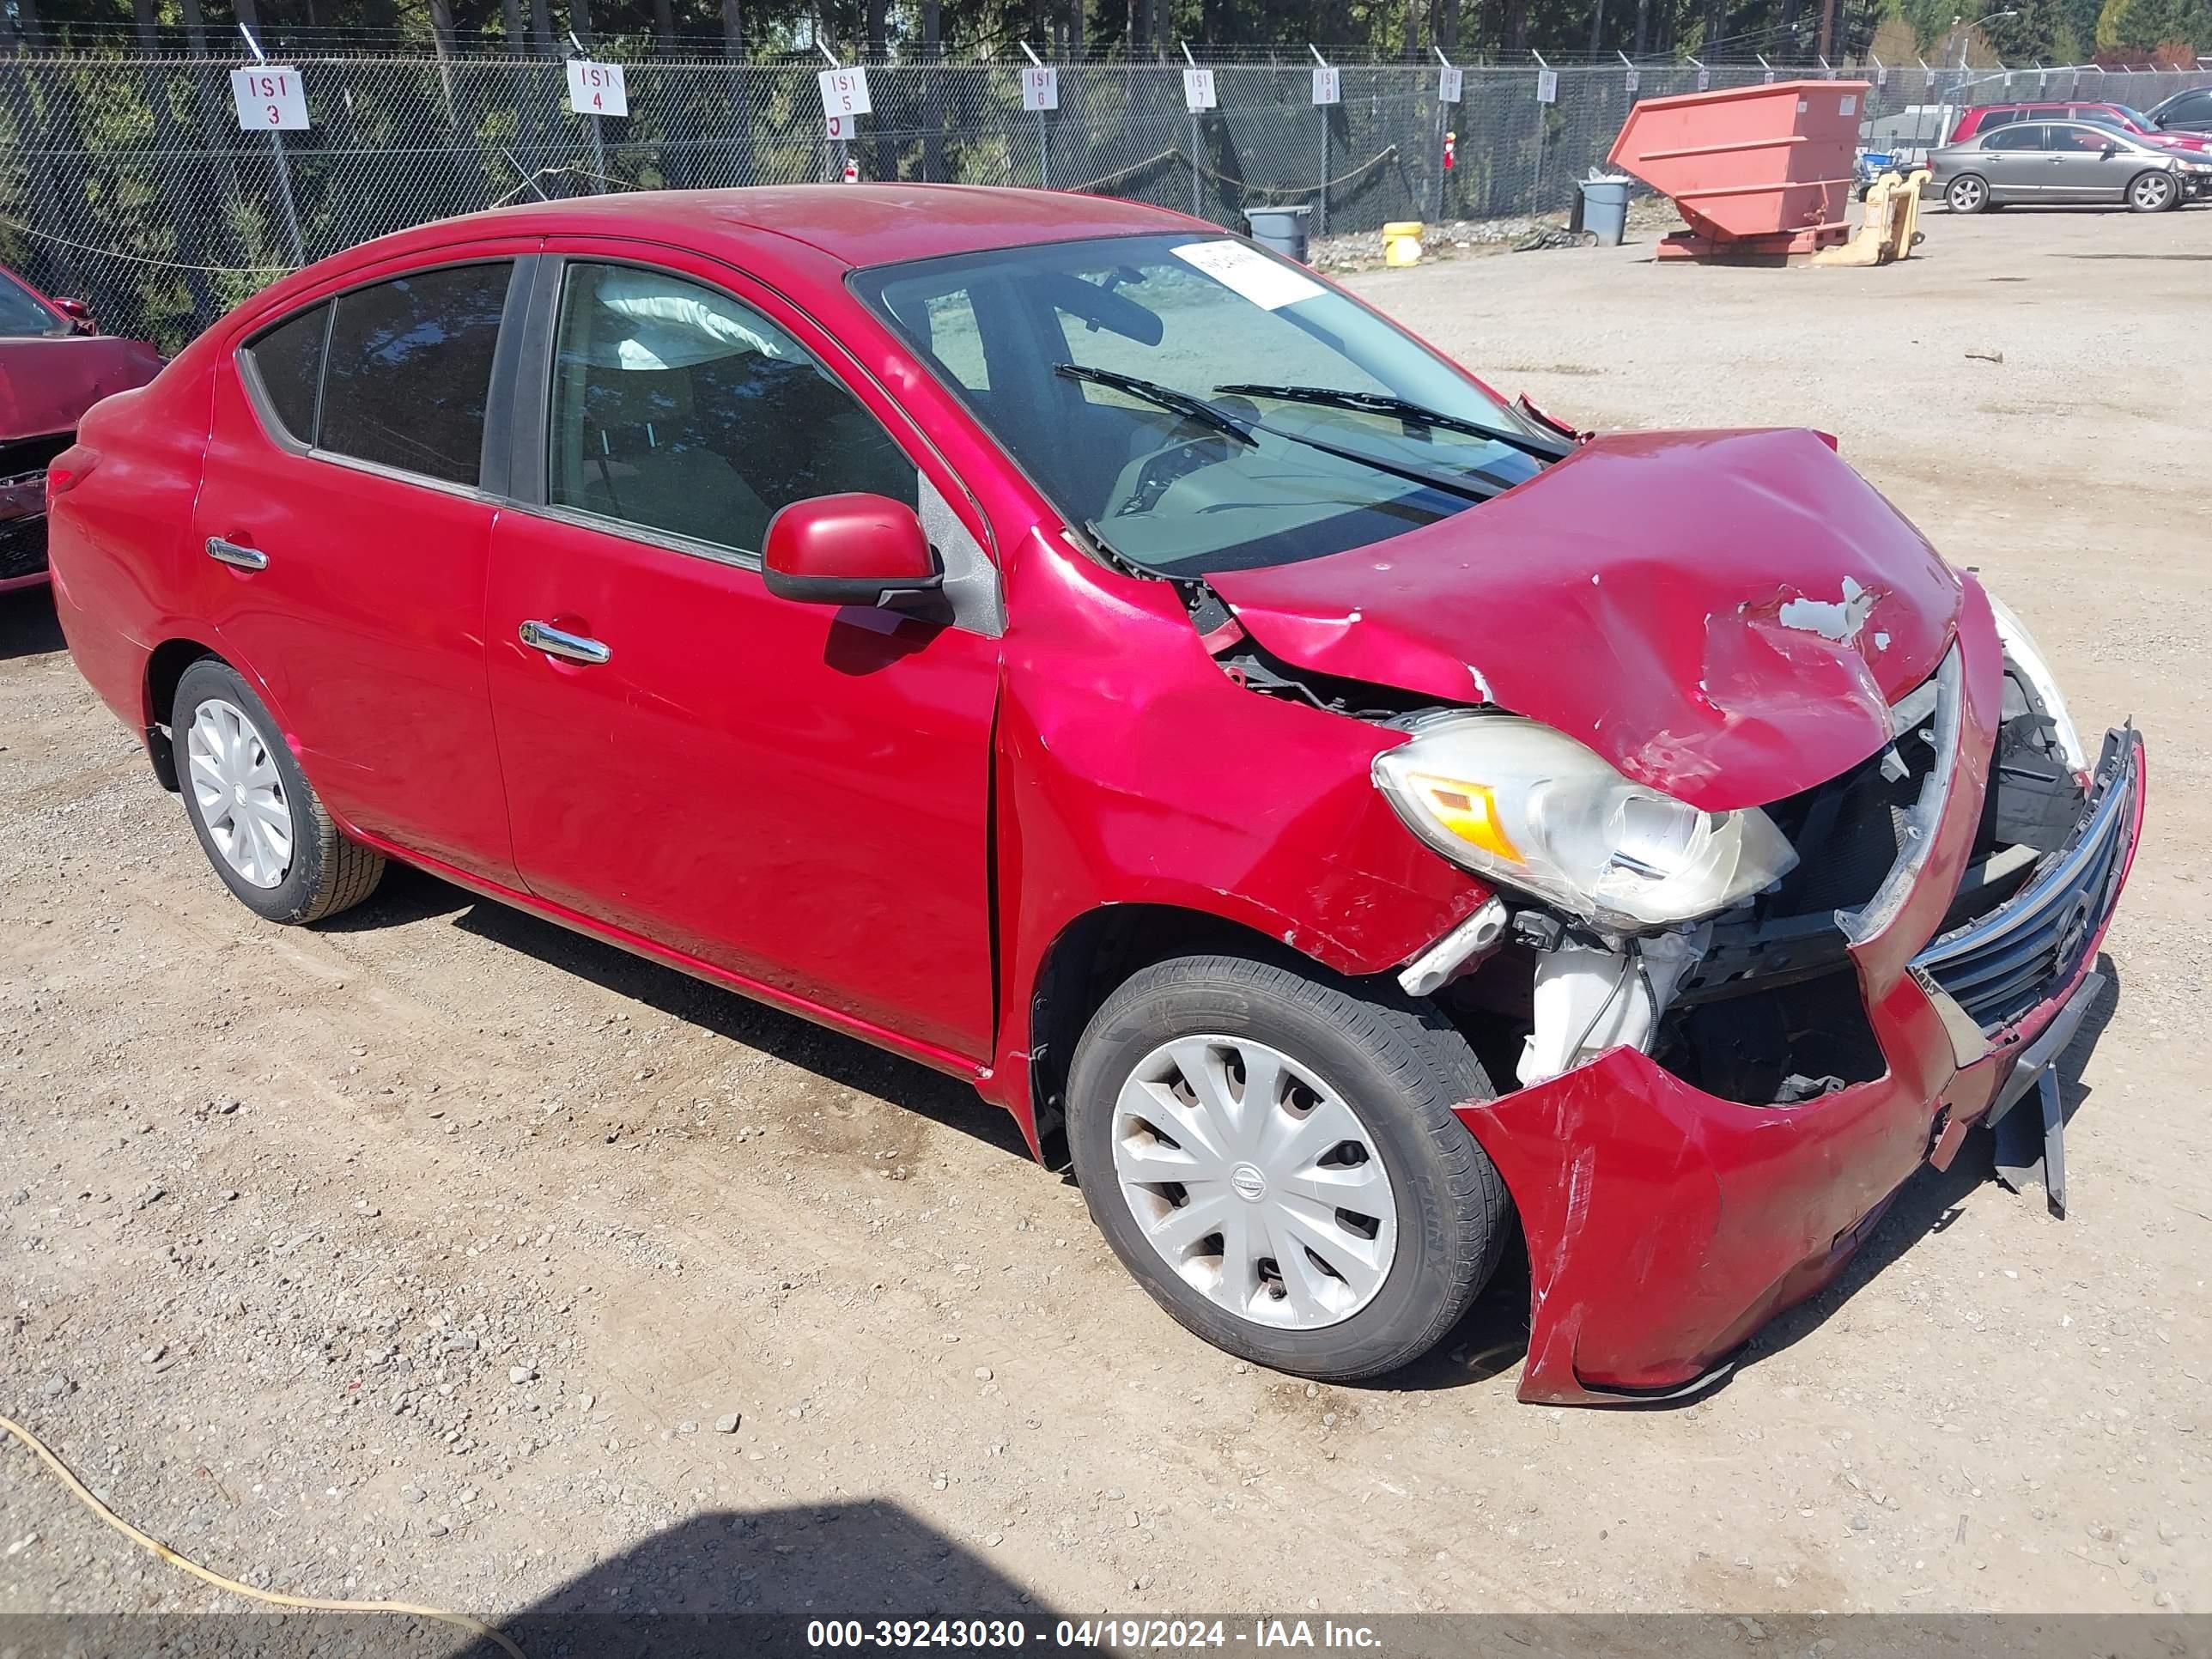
[(2064, 161)]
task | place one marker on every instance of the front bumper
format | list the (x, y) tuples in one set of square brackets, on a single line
[(1665, 1224)]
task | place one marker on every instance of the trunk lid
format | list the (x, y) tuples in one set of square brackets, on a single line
[(1725, 617), (46, 385)]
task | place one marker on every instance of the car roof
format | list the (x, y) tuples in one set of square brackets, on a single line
[(855, 224)]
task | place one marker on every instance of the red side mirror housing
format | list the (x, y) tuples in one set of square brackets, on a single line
[(78, 312), (849, 550)]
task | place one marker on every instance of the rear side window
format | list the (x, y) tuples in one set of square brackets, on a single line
[(2000, 118), (408, 370), (288, 361), (2015, 138)]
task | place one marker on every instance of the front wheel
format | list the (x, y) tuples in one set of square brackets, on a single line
[(1275, 1158), (261, 824), (2153, 192), (1967, 193)]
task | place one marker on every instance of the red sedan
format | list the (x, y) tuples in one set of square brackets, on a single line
[(1983, 117), (1349, 815), (53, 367)]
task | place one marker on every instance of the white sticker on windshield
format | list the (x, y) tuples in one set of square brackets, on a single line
[(1249, 272)]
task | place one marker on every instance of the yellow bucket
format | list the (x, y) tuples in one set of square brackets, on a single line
[(1401, 242)]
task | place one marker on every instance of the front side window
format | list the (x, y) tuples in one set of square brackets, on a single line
[(1201, 405), (2093, 139), (22, 314), (678, 410), (407, 372), (2194, 107)]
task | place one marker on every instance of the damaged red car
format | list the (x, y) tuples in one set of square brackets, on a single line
[(54, 365), (1352, 818)]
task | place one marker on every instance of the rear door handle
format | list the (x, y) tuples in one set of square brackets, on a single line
[(559, 643), (244, 558)]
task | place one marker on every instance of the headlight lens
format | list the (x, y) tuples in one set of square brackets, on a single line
[(2022, 652), (1532, 808)]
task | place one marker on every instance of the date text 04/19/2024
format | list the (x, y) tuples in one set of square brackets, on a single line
[(1094, 1634)]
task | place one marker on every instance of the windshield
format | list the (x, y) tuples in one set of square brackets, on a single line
[(22, 312), (2134, 117), (1201, 405)]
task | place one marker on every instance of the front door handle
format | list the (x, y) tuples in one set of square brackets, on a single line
[(559, 643), (230, 553)]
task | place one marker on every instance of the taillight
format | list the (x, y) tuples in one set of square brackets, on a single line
[(68, 470)]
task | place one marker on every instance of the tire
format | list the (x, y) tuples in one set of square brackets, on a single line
[(1396, 1066), (2153, 192), (316, 872), (1967, 193)]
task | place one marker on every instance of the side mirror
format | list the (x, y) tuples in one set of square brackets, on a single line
[(849, 550), (2111, 150), (78, 312)]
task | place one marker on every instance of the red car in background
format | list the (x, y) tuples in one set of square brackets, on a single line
[(1353, 819), (53, 367), (1983, 117)]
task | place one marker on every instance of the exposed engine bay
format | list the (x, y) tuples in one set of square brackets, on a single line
[(1760, 1005)]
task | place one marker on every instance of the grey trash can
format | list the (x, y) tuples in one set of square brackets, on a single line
[(1604, 206), (1282, 228)]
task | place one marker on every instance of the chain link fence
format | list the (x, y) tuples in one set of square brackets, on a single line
[(126, 181)]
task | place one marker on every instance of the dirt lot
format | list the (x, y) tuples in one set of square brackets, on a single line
[(421, 1255)]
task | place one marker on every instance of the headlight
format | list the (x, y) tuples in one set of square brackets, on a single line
[(2022, 652), (1532, 808)]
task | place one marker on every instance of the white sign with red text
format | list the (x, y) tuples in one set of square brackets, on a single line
[(1328, 86), (845, 92), (270, 97), (1450, 81), (597, 89), (1040, 87), (1197, 89)]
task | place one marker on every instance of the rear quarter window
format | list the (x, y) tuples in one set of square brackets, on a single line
[(287, 363)]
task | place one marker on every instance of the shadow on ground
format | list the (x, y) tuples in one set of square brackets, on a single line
[(28, 626), (407, 895), (748, 1583)]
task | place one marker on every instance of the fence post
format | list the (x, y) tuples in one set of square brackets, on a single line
[(1044, 134), (284, 170), (599, 146), (1196, 201), (1320, 185)]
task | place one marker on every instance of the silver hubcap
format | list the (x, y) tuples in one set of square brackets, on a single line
[(1254, 1181), (239, 793), (2151, 191), (1966, 193)]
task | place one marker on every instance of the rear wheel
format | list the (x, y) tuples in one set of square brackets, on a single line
[(1967, 193), (1275, 1158), (260, 823), (2153, 192)]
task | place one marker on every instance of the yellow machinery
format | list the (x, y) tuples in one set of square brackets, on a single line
[(1891, 229)]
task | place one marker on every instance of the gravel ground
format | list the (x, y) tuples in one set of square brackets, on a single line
[(438, 1254)]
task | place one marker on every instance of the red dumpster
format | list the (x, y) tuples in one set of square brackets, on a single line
[(1760, 174)]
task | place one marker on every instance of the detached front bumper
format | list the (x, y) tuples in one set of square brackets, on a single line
[(1666, 1224)]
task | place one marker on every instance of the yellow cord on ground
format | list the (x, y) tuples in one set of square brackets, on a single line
[(314, 1603)]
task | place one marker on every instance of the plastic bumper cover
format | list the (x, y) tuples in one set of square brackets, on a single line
[(1665, 1224)]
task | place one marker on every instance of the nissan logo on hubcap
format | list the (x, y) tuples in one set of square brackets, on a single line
[(1250, 1184)]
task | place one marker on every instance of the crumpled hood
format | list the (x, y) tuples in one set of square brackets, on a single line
[(46, 385), (1723, 615)]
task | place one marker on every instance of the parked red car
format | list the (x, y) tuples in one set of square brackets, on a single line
[(1983, 116), (53, 367), (1353, 816)]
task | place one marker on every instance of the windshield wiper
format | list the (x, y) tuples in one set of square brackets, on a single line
[(1164, 397), (1197, 409), (1379, 402)]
